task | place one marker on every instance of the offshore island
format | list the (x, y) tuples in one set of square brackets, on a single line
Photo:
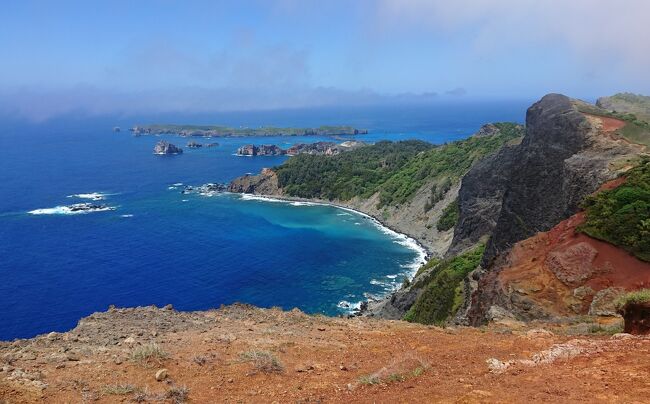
[(224, 131)]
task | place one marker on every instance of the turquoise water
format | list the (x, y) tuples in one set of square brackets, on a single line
[(159, 246)]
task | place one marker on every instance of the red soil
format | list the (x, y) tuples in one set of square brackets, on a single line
[(608, 124), (547, 267)]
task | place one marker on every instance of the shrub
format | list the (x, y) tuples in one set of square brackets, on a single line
[(449, 216), (636, 297), (178, 394), (621, 216), (442, 293)]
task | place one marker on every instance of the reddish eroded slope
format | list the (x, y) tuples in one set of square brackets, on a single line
[(565, 272), (606, 124), (562, 271)]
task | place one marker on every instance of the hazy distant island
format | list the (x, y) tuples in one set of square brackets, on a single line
[(224, 131)]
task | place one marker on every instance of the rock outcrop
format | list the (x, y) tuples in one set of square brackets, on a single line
[(166, 148), (562, 159), (265, 183), (479, 199)]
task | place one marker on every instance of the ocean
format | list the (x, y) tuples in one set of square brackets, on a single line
[(159, 246)]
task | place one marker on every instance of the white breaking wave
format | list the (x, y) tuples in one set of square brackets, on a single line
[(350, 307), (95, 196), (69, 210), (127, 215)]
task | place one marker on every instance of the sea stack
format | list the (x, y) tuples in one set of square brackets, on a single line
[(166, 148)]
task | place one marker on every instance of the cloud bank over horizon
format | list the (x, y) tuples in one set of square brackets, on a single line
[(141, 57)]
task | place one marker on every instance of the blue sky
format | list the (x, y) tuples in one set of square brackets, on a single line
[(117, 56)]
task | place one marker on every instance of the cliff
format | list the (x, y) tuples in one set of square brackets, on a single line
[(534, 247)]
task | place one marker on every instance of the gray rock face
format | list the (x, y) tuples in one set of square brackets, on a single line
[(165, 148), (479, 199), (550, 173)]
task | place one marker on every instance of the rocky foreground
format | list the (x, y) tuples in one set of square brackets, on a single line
[(245, 354)]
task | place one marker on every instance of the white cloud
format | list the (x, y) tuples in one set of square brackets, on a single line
[(613, 33)]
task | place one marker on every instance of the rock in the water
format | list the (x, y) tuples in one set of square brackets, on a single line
[(194, 145), (165, 148)]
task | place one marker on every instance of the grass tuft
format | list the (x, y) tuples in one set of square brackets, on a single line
[(148, 355), (119, 389), (263, 361), (636, 297)]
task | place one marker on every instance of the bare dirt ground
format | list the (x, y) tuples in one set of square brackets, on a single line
[(245, 354)]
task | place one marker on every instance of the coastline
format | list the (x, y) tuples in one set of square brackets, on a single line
[(423, 253)]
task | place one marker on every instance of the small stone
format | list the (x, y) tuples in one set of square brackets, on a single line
[(118, 361), (71, 356), (343, 367), (52, 336), (622, 335), (168, 307), (321, 329), (29, 356), (161, 375), (230, 380), (303, 368), (130, 341), (60, 366)]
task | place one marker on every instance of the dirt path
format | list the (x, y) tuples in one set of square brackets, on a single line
[(244, 354)]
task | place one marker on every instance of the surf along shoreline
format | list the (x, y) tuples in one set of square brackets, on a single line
[(404, 239)]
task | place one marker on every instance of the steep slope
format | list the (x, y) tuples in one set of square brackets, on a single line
[(510, 196), (245, 354), (553, 270), (563, 158)]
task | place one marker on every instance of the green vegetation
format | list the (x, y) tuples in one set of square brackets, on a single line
[(394, 170), (621, 216), (449, 216), (442, 295), (636, 297)]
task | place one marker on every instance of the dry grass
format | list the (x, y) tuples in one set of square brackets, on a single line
[(178, 394), (148, 355), (263, 361), (401, 368), (119, 389)]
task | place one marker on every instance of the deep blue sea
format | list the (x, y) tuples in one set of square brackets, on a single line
[(196, 252)]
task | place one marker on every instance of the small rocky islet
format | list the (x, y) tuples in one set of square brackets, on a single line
[(165, 148)]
